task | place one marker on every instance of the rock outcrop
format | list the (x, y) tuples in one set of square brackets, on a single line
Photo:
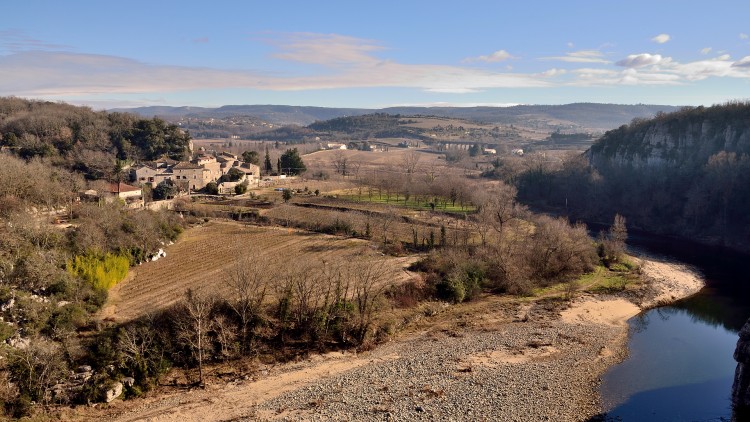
[(684, 139), (741, 387)]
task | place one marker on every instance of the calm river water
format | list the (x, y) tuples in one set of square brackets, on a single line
[(680, 365)]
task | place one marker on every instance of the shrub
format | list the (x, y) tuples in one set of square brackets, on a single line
[(211, 188), (102, 272)]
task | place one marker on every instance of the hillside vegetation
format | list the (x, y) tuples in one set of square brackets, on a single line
[(679, 173), (80, 139)]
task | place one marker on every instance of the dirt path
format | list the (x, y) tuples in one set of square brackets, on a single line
[(240, 399)]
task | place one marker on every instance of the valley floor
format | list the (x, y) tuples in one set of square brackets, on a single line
[(493, 359)]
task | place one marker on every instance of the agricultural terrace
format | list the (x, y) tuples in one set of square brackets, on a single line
[(204, 255), (400, 161)]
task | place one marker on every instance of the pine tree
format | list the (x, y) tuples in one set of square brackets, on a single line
[(267, 164)]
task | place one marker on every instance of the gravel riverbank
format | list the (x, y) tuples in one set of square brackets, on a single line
[(520, 371)]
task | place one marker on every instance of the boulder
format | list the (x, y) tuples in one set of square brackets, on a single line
[(113, 392), (741, 387), (128, 381)]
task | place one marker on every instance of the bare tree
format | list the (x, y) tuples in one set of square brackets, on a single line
[(501, 204), (387, 219), (138, 345), (36, 368), (410, 161), (247, 280), (369, 283), (340, 161), (193, 324)]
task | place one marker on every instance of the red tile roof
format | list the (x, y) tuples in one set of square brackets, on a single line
[(113, 188)]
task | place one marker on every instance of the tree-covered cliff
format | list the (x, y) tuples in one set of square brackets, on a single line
[(679, 173), (684, 139)]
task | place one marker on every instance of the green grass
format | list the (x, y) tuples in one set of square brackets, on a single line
[(412, 203), (601, 280)]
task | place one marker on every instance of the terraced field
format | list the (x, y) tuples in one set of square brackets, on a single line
[(203, 254)]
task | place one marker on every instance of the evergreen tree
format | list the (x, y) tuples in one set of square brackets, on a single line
[(267, 164), (292, 162)]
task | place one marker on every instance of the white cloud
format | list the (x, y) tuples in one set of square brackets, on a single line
[(571, 45), (706, 50), (552, 72), (497, 56), (744, 36), (582, 56), (743, 62), (661, 38), (640, 60)]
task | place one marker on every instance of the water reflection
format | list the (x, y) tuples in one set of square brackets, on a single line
[(680, 364), (673, 357)]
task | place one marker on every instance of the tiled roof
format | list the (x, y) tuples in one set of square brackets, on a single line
[(113, 188)]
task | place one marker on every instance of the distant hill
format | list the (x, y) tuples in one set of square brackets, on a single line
[(589, 116), (276, 114)]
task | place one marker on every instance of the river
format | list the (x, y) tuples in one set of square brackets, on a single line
[(680, 365)]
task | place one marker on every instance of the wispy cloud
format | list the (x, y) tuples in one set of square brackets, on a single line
[(497, 56), (15, 40), (345, 62), (744, 36), (582, 56), (326, 49), (661, 38), (351, 60), (201, 40), (706, 50)]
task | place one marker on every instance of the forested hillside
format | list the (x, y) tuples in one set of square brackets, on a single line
[(681, 173), (80, 139)]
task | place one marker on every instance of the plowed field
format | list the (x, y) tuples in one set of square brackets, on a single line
[(202, 255)]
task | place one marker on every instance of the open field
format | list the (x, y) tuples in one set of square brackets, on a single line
[(378, 164), (203, 254)]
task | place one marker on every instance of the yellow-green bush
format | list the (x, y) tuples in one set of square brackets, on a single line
[(102, 271)]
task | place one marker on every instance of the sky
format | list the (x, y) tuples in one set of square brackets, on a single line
[(375, 54)]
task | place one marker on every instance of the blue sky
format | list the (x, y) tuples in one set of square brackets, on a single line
[(375, 54)]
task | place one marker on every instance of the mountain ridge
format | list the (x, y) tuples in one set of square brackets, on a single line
[(592, 116)]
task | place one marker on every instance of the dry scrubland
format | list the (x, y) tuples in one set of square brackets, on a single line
[(204, 254)]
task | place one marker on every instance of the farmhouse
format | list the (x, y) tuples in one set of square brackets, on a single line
[(195, 174), (131, 195)]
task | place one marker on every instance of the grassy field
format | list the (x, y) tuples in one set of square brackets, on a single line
[(203, 254), (401, 201)]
